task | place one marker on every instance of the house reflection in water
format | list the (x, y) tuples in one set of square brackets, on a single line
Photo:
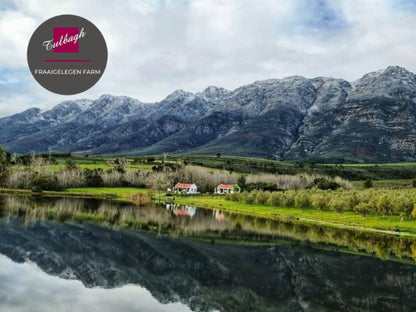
[(190, 211), (219, 215), (180, 210)]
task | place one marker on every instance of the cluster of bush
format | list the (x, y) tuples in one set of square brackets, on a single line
[(38, 173), (377, 201), (45, 179)]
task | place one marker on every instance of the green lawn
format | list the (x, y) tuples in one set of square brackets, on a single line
[(106, 191)]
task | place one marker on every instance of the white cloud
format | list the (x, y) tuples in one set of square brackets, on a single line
[(156, 47)]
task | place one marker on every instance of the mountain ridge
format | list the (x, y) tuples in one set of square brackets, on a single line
[(372, 119)]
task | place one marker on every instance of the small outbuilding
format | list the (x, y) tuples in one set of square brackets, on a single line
[(227, 189), (187, 188)]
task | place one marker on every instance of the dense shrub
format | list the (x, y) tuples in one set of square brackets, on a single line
[(261, 186), (337, 204), (93, 177), (318, 201), (250, 198), (368, 183), (262, 197), (377, 201), (44, 182), (325, 184), (302, 199), (362, 208), (275, 199)]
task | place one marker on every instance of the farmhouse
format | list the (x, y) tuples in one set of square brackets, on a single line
[(227, 189), (185, 188)]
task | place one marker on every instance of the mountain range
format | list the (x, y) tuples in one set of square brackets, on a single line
[(372, 119)]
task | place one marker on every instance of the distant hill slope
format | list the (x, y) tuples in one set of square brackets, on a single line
[(372, 119)]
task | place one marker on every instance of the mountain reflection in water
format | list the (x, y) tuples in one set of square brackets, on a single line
[(86, 267), (25, 287)]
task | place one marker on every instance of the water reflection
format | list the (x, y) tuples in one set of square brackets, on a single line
[(25, 287), (181, 210), (171, 274), (212, 225)]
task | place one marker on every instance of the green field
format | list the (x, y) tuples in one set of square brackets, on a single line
[(116, 191)]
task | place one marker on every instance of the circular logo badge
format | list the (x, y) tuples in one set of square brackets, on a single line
[(67, 54)]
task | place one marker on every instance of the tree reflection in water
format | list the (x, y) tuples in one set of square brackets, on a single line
[(213, 225)]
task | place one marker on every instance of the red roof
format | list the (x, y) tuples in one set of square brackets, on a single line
[(183, 185), (225, 186)]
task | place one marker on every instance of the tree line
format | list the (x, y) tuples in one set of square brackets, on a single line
[(394, 202), (36, 172)]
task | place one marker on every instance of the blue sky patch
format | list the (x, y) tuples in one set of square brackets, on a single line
[(320, 15)]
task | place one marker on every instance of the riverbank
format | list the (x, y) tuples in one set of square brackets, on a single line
[(392, 225), (117, 193)]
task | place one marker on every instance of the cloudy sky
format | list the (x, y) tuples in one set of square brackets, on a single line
[(158, 46)]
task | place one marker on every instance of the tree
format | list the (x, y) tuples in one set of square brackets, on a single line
[(326, 184), (383, 205), (42, 182), (236, 188), (150, 160), (158, 181), (242, 182), (414, 211), (69, 165), (262, 197), (218, 155), (318, 201), (368, 183), (31, 160), (93, 177), (362, 209), (3, 166), (120, 165), (336, 204)]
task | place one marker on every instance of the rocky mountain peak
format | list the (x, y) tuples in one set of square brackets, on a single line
[(65, 109), (394, 81), (177, 95), (213, 93), (31, 112), (106, 97), (397, 71)]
